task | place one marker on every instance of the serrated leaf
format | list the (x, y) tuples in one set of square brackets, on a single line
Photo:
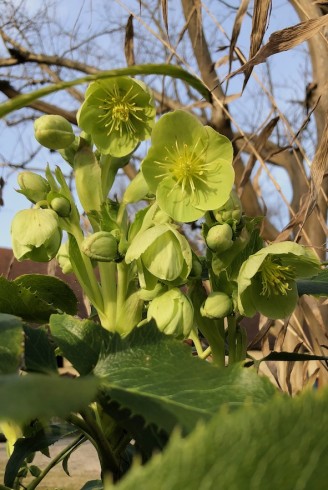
[(278, 445), (80, 341), (23, 397), (11, 343), (155, 376), (39, 353), (51, 290), (17, 300)]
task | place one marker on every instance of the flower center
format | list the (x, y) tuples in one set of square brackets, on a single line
[(276, 278), (186, 165), (119, 111)]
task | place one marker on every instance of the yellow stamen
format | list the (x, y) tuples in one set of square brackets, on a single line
[(275, 277), (119, 111)]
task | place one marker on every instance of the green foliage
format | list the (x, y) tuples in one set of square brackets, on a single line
[(277, 445), (23, 397), (11, 343), (155, 376)]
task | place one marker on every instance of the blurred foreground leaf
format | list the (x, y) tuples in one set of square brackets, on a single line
[(281, 444)]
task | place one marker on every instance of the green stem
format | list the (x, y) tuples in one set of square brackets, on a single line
[(108, 271), (197, 343), (77, 442), (122, 286), (232, 339), (207, 352), (92, 289), (241, 348), (107, 458)]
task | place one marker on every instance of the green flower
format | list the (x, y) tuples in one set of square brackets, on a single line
[(267, 279), (35, 234), (163, 252), (188, 166), (118, 113), (173, 313), (63, 259)]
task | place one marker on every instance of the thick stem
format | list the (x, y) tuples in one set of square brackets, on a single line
[(232, 339), (108, 271)]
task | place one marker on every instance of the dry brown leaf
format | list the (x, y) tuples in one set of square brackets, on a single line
[(284, 40), (258, 145), (318, 169), (165, 15), (261, 14), (129, 42), (236, 29)]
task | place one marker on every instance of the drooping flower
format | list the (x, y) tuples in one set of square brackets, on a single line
[(173, 313), (35, 234), (188, 166), (267, 279), (162, 252), (118, 113)]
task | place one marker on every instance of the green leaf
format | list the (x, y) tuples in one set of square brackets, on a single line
[(26, 446), (51, 290), (24, 398), (39, 352), (151, 69), (11, 343), (317, 285), (278, 445), (288, 356), (80, 341), (93, 485), (155, 376), (17, 300)]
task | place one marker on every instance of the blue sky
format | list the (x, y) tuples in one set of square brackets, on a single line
[(286, 69)]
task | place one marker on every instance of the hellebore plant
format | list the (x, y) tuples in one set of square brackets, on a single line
[(145, 284)]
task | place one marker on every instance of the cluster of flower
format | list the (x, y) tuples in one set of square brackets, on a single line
[(186, 175)]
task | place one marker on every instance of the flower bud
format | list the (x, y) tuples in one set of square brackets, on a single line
[(33, 186), (231, 211), (63, 259), (173, 313), (101, 246), (53, 132), (217, 305), (35, 234), (219, 238), (61, 206)]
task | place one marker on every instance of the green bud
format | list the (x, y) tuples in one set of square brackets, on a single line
[(61, 206), (33, 186), (35, 234), (101, 246), (63, 259), (219, 238), (53, 132), (173, 313), (217, 305), (231, 211)]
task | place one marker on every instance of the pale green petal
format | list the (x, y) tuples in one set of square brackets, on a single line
[(176, 203), (143, 240), (274, 306), (163, 257)]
